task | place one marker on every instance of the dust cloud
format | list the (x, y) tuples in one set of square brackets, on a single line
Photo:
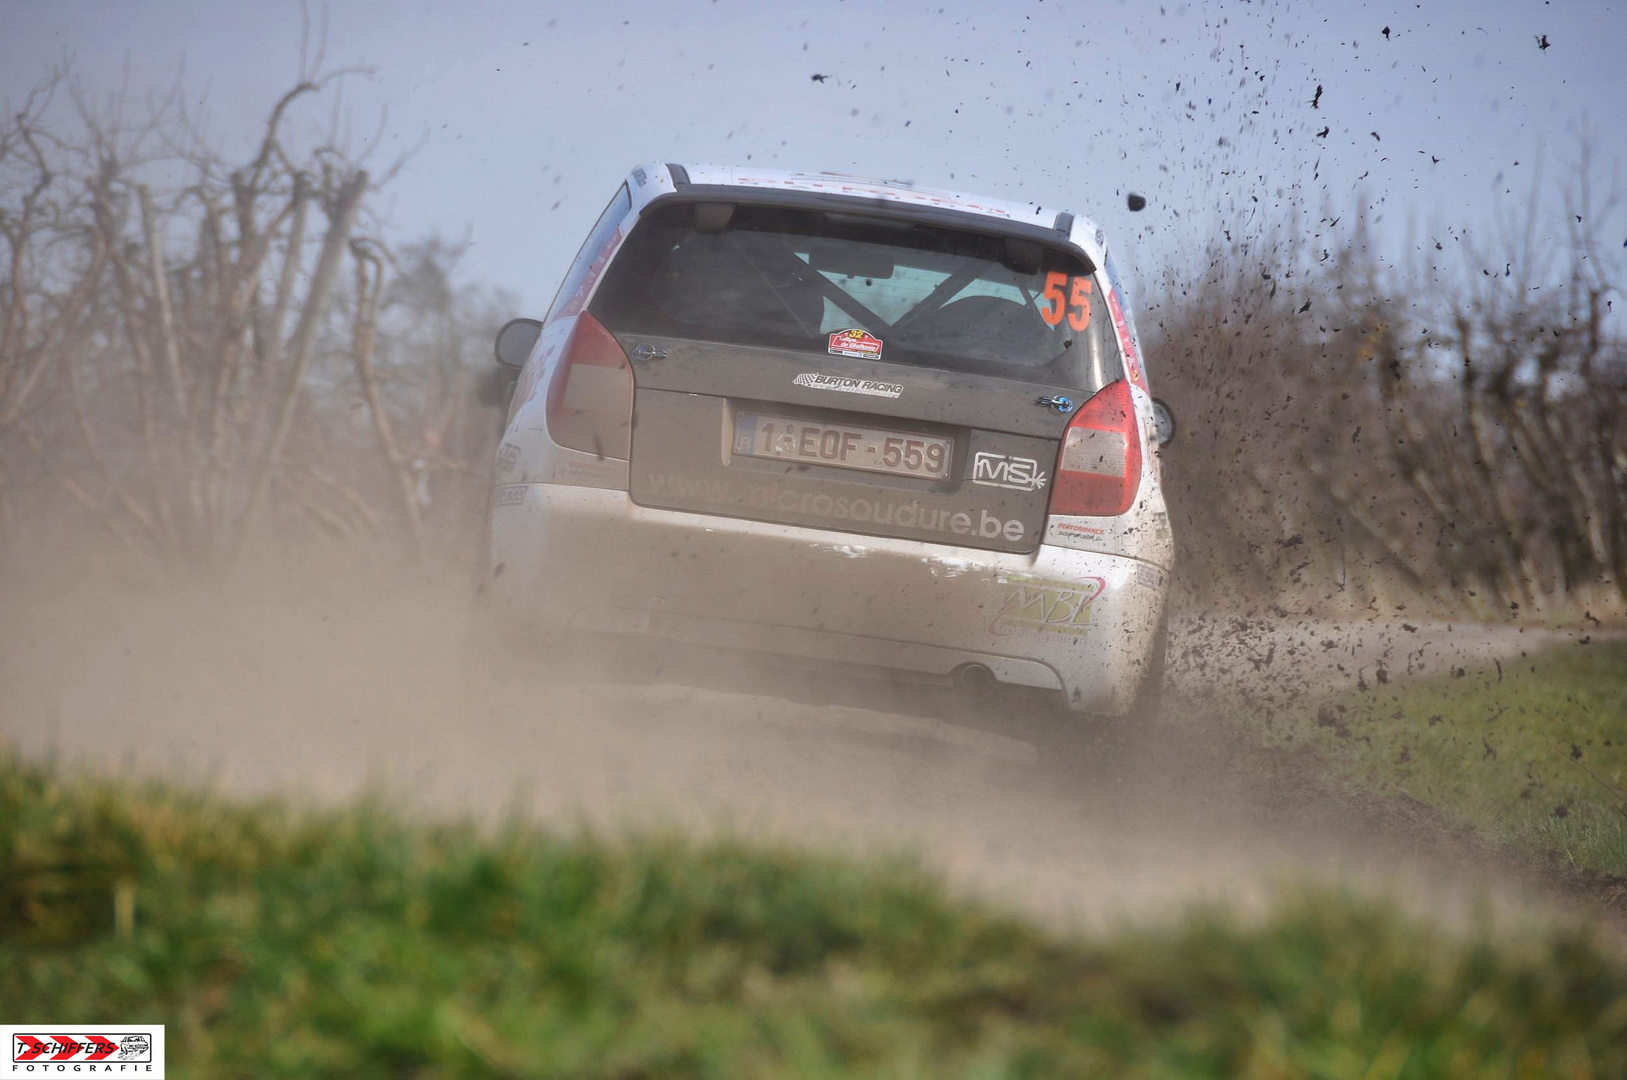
[(318, 679)]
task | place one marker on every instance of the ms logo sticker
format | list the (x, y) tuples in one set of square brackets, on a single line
[(1004, 471)]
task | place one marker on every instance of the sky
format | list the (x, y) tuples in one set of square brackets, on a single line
[(525, 116)]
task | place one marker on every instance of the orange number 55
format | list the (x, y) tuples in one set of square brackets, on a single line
[(1075, 302)]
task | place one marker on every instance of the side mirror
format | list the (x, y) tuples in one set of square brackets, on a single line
[(1163, 423), (516, 340)]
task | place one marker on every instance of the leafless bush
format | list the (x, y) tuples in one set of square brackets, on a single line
[(1372, 435), (176, 359), (189, 364)]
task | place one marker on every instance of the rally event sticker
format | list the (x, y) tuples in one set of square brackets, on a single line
[(857, 343)]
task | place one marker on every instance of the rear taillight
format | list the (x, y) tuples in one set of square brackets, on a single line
[(590, 404), (1099, 469)]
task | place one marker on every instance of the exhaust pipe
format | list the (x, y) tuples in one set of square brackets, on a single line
[(973, 678)]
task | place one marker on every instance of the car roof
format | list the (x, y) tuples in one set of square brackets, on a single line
[(1081, 231)]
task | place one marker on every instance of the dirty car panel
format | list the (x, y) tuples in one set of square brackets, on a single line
[(841, 436), (1056, 618)]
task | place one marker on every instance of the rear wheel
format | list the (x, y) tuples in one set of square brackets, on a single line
[(1150, 694), (1087, 743), (482, 578), (514, 639)]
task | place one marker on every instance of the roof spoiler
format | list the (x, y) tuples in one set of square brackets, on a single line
[(719, 200)]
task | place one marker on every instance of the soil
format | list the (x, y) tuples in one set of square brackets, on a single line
[(325, 683)]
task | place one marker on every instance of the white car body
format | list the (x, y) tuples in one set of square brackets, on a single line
[(572, 548)]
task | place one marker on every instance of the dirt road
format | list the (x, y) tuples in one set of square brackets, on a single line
[(324, 689)]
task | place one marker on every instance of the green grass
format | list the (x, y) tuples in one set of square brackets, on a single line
[(1533, 755), (280, 943)]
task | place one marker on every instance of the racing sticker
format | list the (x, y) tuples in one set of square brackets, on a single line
[(843, 385), (507, 455), (1007, 471), (1063, 527), (857, 343), (1126, 332), (1035, 605), (579, 298), (1126, 341)]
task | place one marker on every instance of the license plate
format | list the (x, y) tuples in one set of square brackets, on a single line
[(845, 446)]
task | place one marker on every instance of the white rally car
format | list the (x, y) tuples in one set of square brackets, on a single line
[(848, 421)]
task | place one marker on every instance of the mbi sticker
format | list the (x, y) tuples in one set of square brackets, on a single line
[(857, 343), (1036, 605)]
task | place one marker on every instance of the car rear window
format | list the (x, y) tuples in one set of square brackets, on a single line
[(925, 295)]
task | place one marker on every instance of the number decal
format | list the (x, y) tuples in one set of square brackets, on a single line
[(1075, 302), (1053, 292), (1079, 304)]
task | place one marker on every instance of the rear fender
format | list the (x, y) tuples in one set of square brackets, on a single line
[(527, 454), (1143, 531)]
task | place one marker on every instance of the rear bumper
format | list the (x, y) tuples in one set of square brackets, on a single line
[(589, 558)]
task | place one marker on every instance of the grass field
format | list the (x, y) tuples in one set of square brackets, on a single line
[(299, 944), (1531, 754)]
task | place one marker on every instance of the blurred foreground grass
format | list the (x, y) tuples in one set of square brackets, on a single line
[(1531, 753), (276, 942)]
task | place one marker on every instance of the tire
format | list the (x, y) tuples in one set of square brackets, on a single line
[(1076, 745), (1150, 694), (480, 584), (514, 643)]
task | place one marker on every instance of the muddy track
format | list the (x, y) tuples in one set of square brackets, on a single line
[(339, 684)]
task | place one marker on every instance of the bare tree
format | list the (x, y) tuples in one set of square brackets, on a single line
[(148, 372), (1451, 431)]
